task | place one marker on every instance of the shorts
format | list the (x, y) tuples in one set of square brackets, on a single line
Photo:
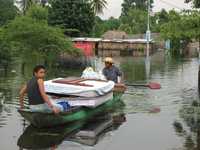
[(45, 108)]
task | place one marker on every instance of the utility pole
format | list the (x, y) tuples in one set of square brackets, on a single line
[(148, 32), (148, 37), (199, 72)]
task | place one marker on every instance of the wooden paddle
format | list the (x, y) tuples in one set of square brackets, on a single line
[(151, 85)]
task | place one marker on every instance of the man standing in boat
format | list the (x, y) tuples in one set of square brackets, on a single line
[(37, 98), (111, 72)]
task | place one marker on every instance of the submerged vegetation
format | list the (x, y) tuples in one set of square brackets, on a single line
[(30, 36), (181, 29), (41, 30)]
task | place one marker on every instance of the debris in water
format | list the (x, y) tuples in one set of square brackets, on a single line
[(154, 110)]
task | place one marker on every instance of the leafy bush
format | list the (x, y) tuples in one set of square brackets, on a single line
[(181, 29), (30, 36)]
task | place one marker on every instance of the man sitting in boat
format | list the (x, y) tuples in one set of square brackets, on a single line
[(38, 99), (111, 72)]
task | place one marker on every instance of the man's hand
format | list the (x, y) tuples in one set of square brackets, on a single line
[(55, 110), (119, 79)]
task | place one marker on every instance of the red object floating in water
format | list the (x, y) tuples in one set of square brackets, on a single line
[(155, 110), (151, 85), (154, 85)]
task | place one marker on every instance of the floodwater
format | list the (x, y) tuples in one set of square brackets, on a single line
[(146, 120)]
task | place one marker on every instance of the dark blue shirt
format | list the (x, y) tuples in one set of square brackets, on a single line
[(33, 92), (112, 73)]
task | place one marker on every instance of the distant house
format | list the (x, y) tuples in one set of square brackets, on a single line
[(113, 43), (115, 34)]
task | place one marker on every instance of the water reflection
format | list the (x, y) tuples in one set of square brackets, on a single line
[(134, 71), (95, 130), (149, 113), (34, 138), (4, 112), (189, 125), (86, 133)]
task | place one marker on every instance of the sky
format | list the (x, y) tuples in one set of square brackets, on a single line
[(114, 7)]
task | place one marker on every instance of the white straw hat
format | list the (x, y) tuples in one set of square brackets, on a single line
[(109, 60)]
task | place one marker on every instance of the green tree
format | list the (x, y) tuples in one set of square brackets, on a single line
[(181, 29), (101, 26), (38, 13), (5, 53), (130, 4), (43, 2), (159, 19), (76, 14), (111, 24), (25, 4), (126, 28), (7, 11), (172, 30), (196, 3), (134, 22), (191, 23), (98, 6), (162, 16), (98, 29), (30, 36)]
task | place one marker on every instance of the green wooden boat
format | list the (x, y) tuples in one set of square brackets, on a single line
[(83, 132), (42, 120)]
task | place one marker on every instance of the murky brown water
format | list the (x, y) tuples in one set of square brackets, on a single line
[(147, 119)]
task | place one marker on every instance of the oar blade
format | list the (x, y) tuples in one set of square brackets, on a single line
[(154, 86)]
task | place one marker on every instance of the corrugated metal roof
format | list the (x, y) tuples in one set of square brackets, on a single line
[(87, 39), (83, 39)]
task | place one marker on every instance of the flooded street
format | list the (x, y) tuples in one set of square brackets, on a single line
[(145, 119)]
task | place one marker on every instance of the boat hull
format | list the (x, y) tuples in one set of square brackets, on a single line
[(42, 120)]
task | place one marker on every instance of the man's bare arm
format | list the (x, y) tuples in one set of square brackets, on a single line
[(42, 92), (45, 96), (22, 93)]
